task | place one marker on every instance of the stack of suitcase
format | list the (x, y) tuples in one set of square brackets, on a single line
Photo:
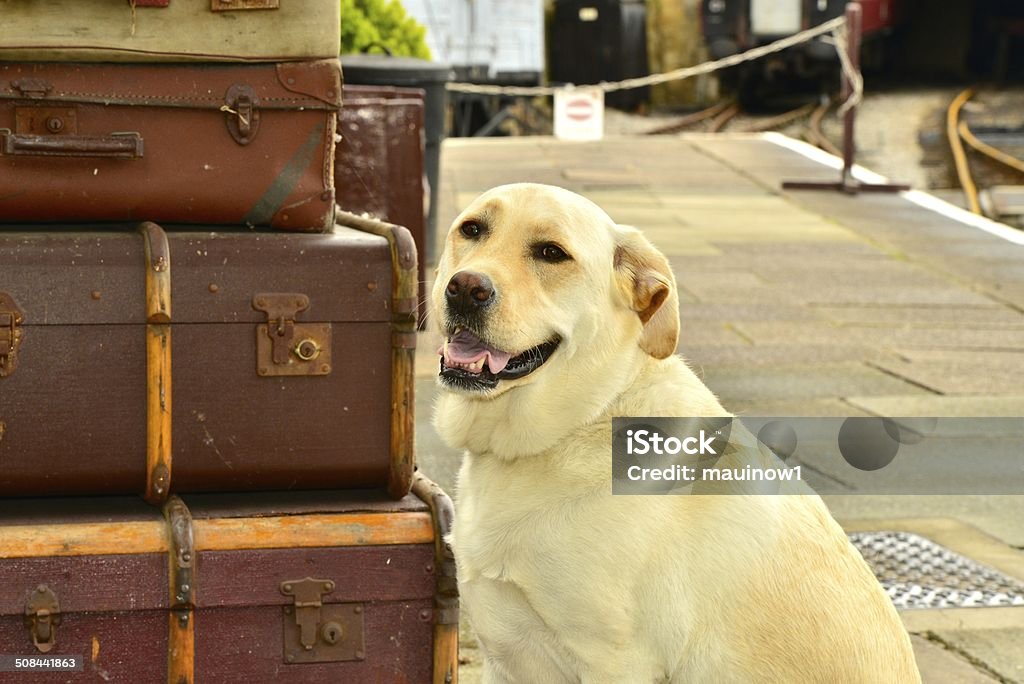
[(206, 368)]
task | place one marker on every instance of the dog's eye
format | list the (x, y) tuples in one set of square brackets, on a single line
[(471, 229), (550, 252)]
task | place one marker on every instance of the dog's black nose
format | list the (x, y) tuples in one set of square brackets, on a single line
[(468, 291)]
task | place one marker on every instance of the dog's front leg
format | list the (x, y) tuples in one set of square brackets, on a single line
[(517, 646)]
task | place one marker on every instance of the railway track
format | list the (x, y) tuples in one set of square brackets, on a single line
[(974, 158), (720, 116)]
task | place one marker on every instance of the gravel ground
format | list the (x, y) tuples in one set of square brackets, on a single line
[(900, 133), (887, 131)]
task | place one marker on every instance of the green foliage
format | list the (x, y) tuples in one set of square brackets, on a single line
[(369, 25)]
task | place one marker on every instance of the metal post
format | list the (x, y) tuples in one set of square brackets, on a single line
[(847, 183)]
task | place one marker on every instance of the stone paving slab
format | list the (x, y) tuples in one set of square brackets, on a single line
[(960, 372), (718, 311), (820, 406), (873, 294), (887, 336), (1002, 406), (808, 251), (985, 511), (792, 381), (939, 665), (996, 651), (778, 354), (887, 274), (717, 334), (993, 316)]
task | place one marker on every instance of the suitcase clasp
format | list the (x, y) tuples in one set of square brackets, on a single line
[(32, 87), (42, 615), (243, 117), (285, 347), (11, 318), (319, 633)]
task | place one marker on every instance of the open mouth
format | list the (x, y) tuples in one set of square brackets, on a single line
[(470, 363)]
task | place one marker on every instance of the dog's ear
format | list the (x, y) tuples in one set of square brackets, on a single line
[(645, 276)]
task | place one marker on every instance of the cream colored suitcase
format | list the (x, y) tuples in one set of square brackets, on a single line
[(168, 30)]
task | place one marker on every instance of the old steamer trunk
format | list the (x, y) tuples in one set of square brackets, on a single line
[(318, 587), (146, 362)]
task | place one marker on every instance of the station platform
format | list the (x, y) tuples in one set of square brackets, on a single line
[(808, 303)]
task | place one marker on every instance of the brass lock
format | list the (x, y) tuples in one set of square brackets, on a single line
[(286, 346), (307, 349), (332, 633)]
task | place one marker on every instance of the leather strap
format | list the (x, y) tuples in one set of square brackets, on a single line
[(158, 362)]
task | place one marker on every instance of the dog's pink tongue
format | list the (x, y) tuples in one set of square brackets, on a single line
[(465, 347)]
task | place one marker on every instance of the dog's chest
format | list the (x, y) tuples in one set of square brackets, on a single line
[(488, 538)]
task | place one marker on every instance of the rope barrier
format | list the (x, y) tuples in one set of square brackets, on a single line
[(835, 26), (839, 39)]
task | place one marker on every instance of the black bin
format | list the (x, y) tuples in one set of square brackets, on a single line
[(601, 40), (409, 72)]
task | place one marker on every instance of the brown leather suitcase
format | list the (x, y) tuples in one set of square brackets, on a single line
[(324, 587), (145, 361), (379, 158), (180, 143)]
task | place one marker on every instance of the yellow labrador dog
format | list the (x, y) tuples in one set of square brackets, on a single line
[(556, 319)]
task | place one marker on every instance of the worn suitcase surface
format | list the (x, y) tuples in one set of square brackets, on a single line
[(322, 587), (169, 30), (150, 361), (201, 143), (379, 158)]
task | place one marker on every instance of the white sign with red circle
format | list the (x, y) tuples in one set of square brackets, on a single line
[(579, 114)]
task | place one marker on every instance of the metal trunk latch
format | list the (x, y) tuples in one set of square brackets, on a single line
[(42, 615), (287, 347), (11, 318), (243, 117), (32, 87), (318, 633)]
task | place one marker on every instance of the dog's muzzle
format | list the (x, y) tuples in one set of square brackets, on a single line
[(468, 362)]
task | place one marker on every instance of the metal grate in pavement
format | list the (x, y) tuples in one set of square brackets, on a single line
[(918, 573)]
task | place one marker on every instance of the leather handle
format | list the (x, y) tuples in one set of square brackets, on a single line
[(113, 146)]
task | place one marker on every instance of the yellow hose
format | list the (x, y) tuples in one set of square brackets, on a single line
[(988, 150), (963, 171)]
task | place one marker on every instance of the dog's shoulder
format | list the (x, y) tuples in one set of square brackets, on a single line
[(668, 387)]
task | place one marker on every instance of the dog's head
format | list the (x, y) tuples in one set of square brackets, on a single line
[(537, 285)]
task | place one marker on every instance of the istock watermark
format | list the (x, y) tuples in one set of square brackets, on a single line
[(642, 442), (834, 455)]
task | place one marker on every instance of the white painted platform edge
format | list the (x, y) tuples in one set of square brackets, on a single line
[(921, 199)]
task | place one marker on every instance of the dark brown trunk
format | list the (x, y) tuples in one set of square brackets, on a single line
[(80, 376)]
